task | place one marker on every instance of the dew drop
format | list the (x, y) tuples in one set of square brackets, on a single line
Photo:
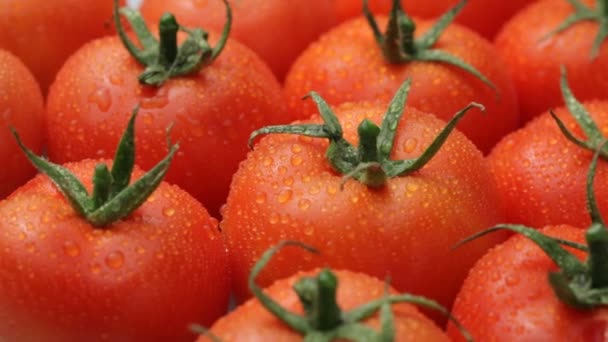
[(512, 280), (410, 145), (96, 269), (304, 204), (309, 231), (115, 260), (260, 198), (274, 218), (412, 187), (30, 247), (157, 102), (295, 148), (284, 196), (267, 161), (354, 199), (102, 99), (70, 248), (22, 236), (116, 80), (332, 189), (296, 160), (140, 250), (169, 212)]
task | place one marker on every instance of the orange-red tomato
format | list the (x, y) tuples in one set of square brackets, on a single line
[(286, 189), (507, 297), (486, 17), (21, 107), (541, 175), (212, 113), (533, 58), (277, 30), (252, 322), (346, 64), (43, 34), (143, 278)]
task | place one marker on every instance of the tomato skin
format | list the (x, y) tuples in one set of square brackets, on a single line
[(534, 63), (277, 30), (141, 279), (346, 65), (286, 189), (21, 107), (485, 17), (507, 297), (541, 175), (252, 322), (212, 112), (35, 31)]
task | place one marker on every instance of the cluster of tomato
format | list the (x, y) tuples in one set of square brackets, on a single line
[(425, 126)]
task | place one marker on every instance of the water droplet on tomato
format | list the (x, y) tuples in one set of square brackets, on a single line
[(284, 196), (140, 250), (116, 80), (260, 198), (295, 148), (169, 212), (102, 99), (332, 189), (512, 280), (304, 204), (274, 218), (115, 260), (157, 102), (296, 160), (30, 247), (410, 145), (412, 187), (95, 268), (309, 231)]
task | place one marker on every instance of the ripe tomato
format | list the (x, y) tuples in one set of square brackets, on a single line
[(213, 111), (21, 106), (277, 30), (326, 309), (485, 17), (43, 34), (100, 268), (286, 189), (541, 174), (346, 64), (534, 56)]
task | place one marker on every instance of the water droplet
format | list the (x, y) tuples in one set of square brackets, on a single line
[(169, 212), (288, 181), (260, 198), (309, 231), (332, 189), (267, 161), (102, 99), (140, 250), (115, 260), (304, 204), (70, 248), (296, 160), (160, 256), (412, 187), (284, 196), (30, 247), (157, 102), (354, 199), (95, 268), (116, 79), (274, 218), (512, 280), (22, 236), (410, 145), (295, 148)]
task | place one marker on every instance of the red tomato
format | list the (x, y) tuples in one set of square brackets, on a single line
[(541, 175), (143, 278), (277, 30), (534, 57), (286, 189), (346, 64), (21, 107), (507, 297), (213, 111), (485, 17), (252, 322), (43, 34)]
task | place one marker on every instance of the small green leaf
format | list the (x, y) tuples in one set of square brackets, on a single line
[(393, 115), (432, 35), (102, 184), (124, 158)]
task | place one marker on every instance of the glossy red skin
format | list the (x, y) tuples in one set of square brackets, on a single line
[(36, 31), (277, 30), (252, 322), (21, 107), (212, 112), (485, 17), (286, 189), (62, 280), (507, 297), (541, 175), (346, 64), (534, 63)]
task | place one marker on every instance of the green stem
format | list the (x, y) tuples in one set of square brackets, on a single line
[(168, 48), (597, 239), (318, 297), (602, 7)]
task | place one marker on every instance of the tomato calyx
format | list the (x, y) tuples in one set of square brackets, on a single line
[(112, 198), (583, 285), (399, 45), (370, 162), (163, 58), (581, 115), (323, 319), (581, 13)]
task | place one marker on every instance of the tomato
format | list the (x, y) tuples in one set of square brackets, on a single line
[(43, 34), (277, 30), (115, 273), (485, 17), (534, 56), (213, 111), (346, 64), (540, 174), (21, 107), (327, 302), (403, 228)]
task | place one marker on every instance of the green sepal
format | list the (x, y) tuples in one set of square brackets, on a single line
[(112, 198), (582, 13), (370, 162), (163, 58), (399, 45)]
